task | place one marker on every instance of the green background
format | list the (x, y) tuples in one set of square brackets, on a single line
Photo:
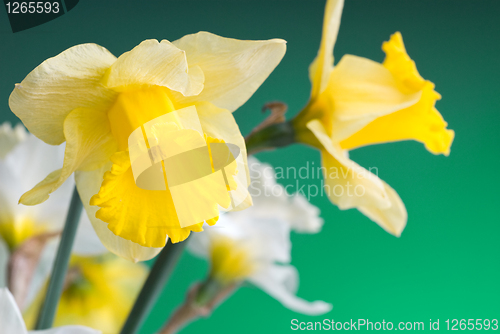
[(447, 262)]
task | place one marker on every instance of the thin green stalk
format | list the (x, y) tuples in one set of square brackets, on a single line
[(49, 307), (158, 277)]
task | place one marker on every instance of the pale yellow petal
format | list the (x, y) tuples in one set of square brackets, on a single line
[(321, 67), (392, 219), (59, 85), (233, 69), (40, 192), (155, 63), (88, 184), (220, 123), (362, 90), (347, 184), (89, 146)]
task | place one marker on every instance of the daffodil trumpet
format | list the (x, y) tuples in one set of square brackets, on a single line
[(357, 103)]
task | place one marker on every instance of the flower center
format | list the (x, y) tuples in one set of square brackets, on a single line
[(15, 233), (134, 108), (231, 262)]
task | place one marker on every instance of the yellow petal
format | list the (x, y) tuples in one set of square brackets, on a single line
[(89, 146), (145, 217), (362, 90), (233, 69), (88, 184), (321, 67), (401, 66), (392, 219), (155, 63), (348, 185), (134, 108), (59, 85), (231, 261), (420, 122)]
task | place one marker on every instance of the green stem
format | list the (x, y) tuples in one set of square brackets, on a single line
[(158, 277), (270, 137), (49, 307)]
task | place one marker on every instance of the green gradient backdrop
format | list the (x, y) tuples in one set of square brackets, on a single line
[(447, 262)]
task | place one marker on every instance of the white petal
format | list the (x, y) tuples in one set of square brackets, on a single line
[(199, 243), (4, 261), (281, 283), (9, 195), (304, 217), (11, 320), (266, 192), (87, 242), (42, 271), (10, 137), (321, 67), (28, 163), (59, 85), (33, 159), (156, 63), (88, 184), (233, 69)]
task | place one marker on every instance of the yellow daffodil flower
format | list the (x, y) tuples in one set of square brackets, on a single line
[(360, 102), (99, 292), (93, 101)]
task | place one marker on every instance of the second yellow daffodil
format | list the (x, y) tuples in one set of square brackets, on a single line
[(93, 101), (361, 102)]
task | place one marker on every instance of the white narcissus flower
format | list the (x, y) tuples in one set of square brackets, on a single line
[(11, 320), (254, 245), (26, 159)]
